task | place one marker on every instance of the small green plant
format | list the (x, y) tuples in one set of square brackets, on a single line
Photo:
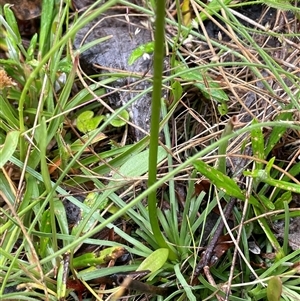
[(86, 122)]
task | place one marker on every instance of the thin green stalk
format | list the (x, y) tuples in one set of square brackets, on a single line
[(286, 227), (172, 195), (159, 38)]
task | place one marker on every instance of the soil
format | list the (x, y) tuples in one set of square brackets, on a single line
[(24, 10)]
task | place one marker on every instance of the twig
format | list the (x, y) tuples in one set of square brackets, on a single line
[(211, 281), (206, 258)]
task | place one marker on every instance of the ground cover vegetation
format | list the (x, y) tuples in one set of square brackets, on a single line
[(205, 208)]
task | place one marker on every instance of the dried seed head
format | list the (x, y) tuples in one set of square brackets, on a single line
[(5, 80)]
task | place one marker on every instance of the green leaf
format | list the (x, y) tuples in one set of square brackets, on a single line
[(77, 144), (45, 28), (12, 22), (45, 228), (86, 121), (209, 88), (222, 182), (284, 197), (257, 142), (140, 51), (274, 289), (269, 165), (283, 185), (263, 175), (61, 284), (9, 147), (137, 165), (8, 113), (65, 66), (103, 257), (222, 108), (60, 214), (41, 136), (154, 261), (281, 4), (32, 46), (188, 289), (118, 122), (267, 202), (176, 90)]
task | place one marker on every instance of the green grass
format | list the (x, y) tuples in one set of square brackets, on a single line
[(43, 154)]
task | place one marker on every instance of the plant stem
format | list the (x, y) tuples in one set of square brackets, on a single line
[(159, 38)]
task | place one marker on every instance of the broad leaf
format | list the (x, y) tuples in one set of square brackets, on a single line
[(154, 261), (222, 182), (274, 289), (9, 147)]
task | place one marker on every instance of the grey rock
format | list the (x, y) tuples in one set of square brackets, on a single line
[(111, 56)]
